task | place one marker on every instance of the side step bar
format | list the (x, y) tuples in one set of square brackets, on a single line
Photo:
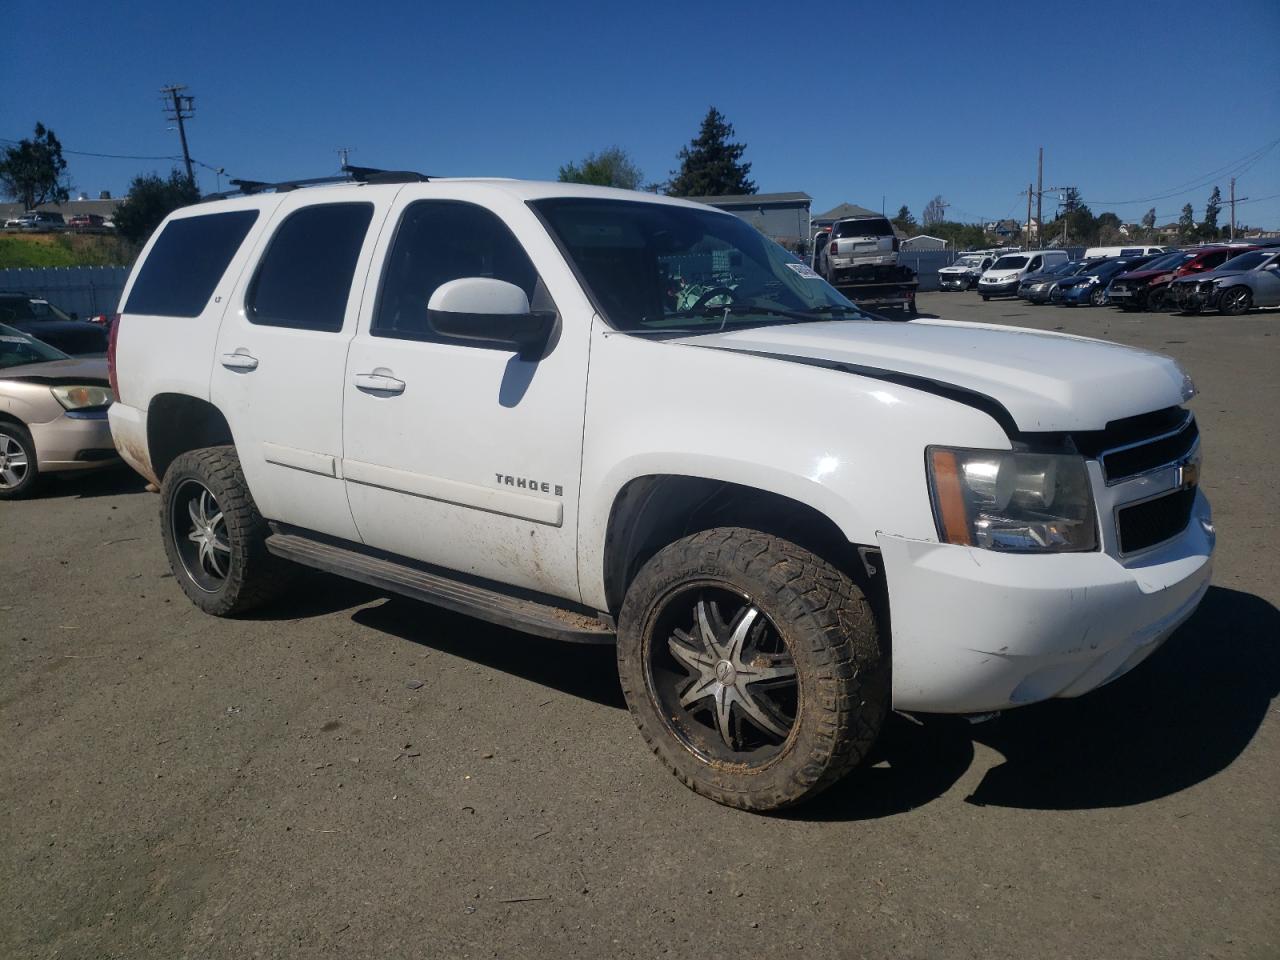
[(518, 613)]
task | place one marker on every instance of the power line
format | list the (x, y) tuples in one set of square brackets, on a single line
[(107, 156), (1235, 168)]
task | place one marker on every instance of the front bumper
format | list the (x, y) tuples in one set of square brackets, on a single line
[(998, 289), (976, 631), (73, 442), (1074, 295), (955, 281), (1190, 296), (129, 430)]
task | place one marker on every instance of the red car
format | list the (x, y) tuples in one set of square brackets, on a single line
[(86, 220), (1148, 288)]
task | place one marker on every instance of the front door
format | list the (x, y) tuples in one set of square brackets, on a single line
[(282, 352), (459, 455)]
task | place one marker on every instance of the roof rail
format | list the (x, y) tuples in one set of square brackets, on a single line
[(369, 175)]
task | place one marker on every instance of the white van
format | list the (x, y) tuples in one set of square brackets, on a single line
[(1137, 250), (1003, 277)]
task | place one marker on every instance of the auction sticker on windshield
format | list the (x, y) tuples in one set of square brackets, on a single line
[(804, 270)]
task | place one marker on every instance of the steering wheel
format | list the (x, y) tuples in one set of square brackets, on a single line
[(711, 294)]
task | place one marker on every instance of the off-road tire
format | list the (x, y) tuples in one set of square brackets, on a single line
[(1236, 301), (31, 480), (841, 662), (255, 576)]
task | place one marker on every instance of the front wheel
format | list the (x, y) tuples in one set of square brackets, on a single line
[(1158, 301), (753, 668), (19, 472), (1098, 297), (1236, 301), (214, 536), (985, 298)]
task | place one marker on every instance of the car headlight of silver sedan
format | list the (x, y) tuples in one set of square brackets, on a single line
[(1012, 501), (81, 396)]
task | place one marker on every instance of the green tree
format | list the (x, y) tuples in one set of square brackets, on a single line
[(1108, 227), (1209, 228), (711, 165), (151, 199), (1187, 224), (904, 221), (32, 171), (611, 167), (1149, 224)]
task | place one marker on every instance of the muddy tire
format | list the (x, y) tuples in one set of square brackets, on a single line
[(754, 669), (214, 536), (19, 472)]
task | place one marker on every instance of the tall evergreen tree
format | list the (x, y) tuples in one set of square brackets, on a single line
[(904, 221), (711, 165), (1187, 224), (1149, 223), (1209, 228)]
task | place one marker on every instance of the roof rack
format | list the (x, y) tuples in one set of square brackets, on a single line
[(369, 175)]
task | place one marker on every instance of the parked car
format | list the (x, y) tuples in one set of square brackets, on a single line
[(53, 413), (1249, 280), (964, 273), (858, 242), (82, 220), (1003, 276), (1035, 287), (41, 319), (41, 220), (1132, 250), (390, 381), (1148, 287), (1089, 286)]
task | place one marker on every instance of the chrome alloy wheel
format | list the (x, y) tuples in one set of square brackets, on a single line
[(200, 532), (13, 462), (723, 675)]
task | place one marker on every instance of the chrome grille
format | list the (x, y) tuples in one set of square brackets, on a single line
[(1151, 453)]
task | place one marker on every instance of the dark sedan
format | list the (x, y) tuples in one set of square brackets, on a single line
[(1090, 285), (1148, 288), (45, 322), (1038, 287)]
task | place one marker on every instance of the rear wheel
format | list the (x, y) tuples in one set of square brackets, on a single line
[(19, 472), (214, 536), (753, 668), (1235, 301)]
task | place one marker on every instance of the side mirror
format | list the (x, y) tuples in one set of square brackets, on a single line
[(489, 313)]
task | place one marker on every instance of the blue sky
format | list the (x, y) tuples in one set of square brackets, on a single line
[(846, 101)]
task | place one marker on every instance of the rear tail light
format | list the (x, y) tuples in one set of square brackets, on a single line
[(113, 333)]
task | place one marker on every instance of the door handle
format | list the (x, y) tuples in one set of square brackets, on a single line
[(378, 382), (239, 361)]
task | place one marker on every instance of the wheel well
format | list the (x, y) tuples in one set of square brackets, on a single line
[(177, 423), (651, 512)]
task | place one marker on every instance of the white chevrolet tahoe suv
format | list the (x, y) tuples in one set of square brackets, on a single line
[(605, 416)]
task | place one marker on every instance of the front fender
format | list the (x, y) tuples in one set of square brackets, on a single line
[(850, 446)]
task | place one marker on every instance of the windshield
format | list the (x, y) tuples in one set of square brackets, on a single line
[(666, 269), (23, 308), (1055, 268), (1246, 261), (17, 349), (1009, 263), (1169, 261), (875, 227), (969, 262)]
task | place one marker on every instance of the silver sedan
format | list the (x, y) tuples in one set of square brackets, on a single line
[(53, 413)]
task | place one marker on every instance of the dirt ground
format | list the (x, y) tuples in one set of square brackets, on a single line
[(352, 775)]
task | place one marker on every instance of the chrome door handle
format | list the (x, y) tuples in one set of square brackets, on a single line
[(378, 383), (239, 361)]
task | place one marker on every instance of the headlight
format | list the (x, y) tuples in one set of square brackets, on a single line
[(82, 397), (1012, 501)]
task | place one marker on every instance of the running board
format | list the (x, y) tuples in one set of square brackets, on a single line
[(518, 613)]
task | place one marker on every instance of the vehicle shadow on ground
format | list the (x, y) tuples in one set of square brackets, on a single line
[(588, 671), (1177, 720), (107, 482)]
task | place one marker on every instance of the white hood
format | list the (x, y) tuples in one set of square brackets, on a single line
[(1047, 381)]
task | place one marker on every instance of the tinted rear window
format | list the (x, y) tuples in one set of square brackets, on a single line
[(305, 277), (876, 227), (186, 263)]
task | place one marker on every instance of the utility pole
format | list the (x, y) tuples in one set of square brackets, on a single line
[(180, 107), (1028, 213), (1234, 200), (1039, 195), (343, 153)]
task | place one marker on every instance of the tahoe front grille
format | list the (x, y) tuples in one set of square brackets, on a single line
[(1152, 453), (1154, 521)]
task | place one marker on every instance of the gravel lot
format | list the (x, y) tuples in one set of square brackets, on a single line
[(172, 785)]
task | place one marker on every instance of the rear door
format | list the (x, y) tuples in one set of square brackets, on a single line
[(282, 351), (1266, 284)]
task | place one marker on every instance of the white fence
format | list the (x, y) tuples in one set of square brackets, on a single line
[(85, 291)]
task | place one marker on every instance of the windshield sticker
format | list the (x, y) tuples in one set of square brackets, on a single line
[(8, 339), (804, 270)]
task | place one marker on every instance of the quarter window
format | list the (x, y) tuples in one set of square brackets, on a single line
[(305, 276), (438, 241), (186, 262)]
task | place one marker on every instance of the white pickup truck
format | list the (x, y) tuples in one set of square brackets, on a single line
[(606, 416)]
